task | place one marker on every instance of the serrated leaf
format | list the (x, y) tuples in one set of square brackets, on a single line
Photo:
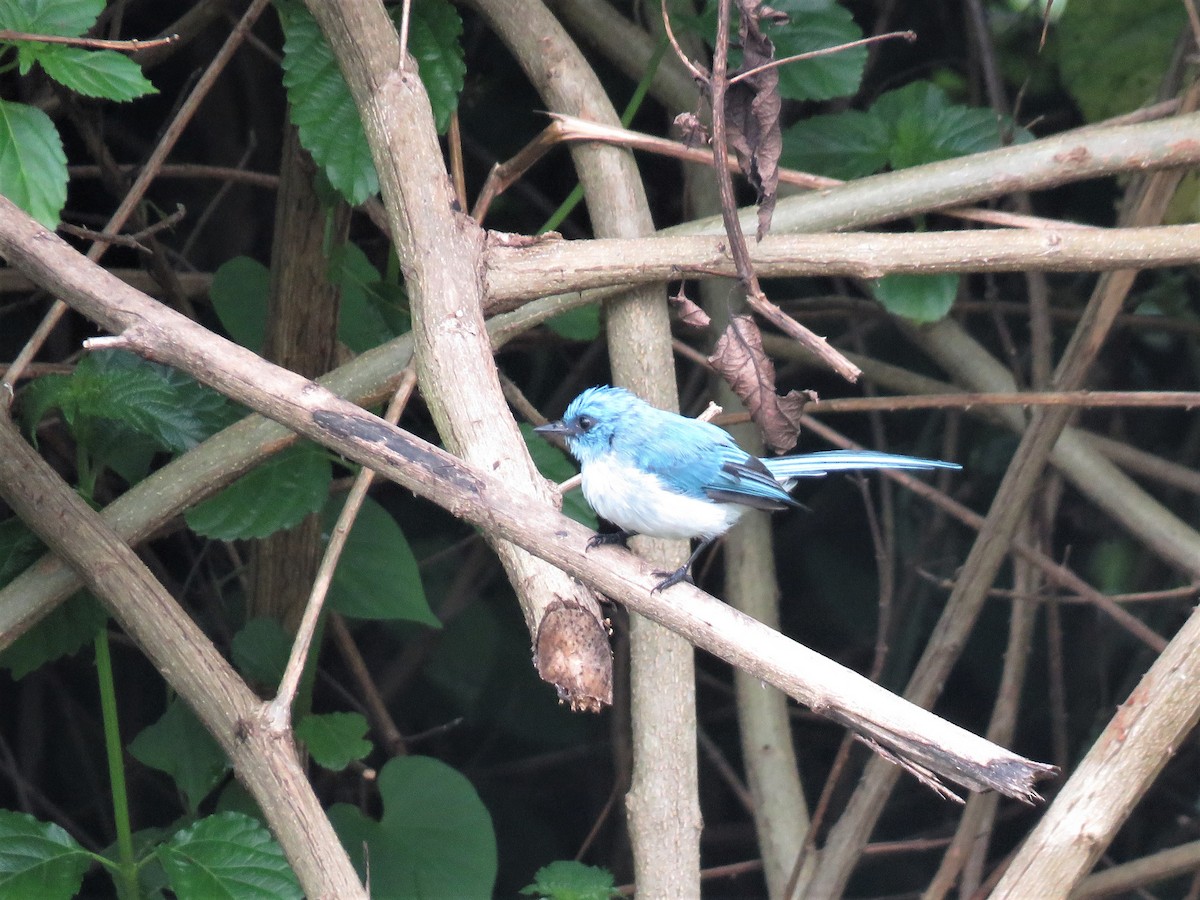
[(433, 39), (920, 298), (156, 401), (260, 652), (180, 746), (39, 859), (925, 127), (435, 837), (323, 109), (94, 73), (33, 166), (239, 292), (62, 18), (377, 576), (571, 880), (276, 495), (555, 465), (824, 77), (334, 740), (227, 855), (843, 145), (63, 632)]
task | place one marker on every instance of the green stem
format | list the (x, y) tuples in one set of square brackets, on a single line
[(127, 878), (635, 102)]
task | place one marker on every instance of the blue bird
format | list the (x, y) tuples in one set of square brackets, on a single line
[(664, 475)]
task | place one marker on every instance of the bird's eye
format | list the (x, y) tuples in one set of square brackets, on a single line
[(585, 423)]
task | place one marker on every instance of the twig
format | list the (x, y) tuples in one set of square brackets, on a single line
[(909, 36), (279, 710), (130, 46)]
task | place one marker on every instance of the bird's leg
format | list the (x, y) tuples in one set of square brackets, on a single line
[(682, 573), (620, 537)]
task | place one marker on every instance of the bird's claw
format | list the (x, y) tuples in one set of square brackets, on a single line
[(621, 538), (670, 579)]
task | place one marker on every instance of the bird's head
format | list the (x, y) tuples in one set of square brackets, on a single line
[(593, 420)]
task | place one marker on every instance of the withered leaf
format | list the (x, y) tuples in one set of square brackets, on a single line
[(690, 129), (689, 313), (752, 108), (740, 359)]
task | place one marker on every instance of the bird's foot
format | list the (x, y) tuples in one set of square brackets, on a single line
[(670, 579), (620, 538)]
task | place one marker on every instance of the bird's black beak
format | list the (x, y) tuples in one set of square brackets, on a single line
[(560, 428)]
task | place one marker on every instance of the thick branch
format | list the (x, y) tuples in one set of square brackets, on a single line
[(552, 266)]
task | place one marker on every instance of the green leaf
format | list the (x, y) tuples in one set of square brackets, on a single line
[(322, 107), (925, 127), (276, 495), (361, 323), (260, 652), (921, 298), (94, 73), (377, 576), (180, 746), (334, 740), (1113, 54), (239, 292), (33, 166), (227, 855), (62, 18), (19, 549), (435, 837), (824, 77), (39, 859), (570, 880), (579, 324), (72, 625), (433, 39), (843, 145), (557, 466)]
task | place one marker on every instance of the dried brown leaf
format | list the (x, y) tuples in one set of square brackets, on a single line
[(688, 312), (752, 108), (740, 359)]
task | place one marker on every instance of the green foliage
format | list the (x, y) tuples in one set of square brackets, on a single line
[(72, 625), (373, 309), (334, 740), (579, 324), (227, 855), (19, 547), (434, 838), (555, 465), (33, 167), (239, 292), (180, 746), (918, 298), (323, 109), (39, 859), (570, 880), (813, 25), (276, 495), (113, 396), (1113, 54), (377, 576), (260, 651), (910, 126)]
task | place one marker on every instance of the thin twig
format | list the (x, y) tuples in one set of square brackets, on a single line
[(131, 46), (279, 711), (909, 36)]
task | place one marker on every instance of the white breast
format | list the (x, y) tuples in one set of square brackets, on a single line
[(636, 501)]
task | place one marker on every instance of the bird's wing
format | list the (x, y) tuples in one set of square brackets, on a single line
[(811, 465), (702, 461)]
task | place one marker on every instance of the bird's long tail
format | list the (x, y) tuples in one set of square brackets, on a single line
[(812, 465)]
